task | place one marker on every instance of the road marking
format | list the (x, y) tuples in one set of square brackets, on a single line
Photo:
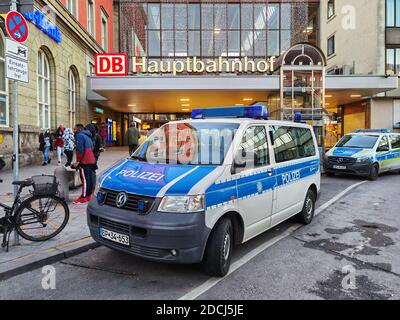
[(198, 291), (337, 197)]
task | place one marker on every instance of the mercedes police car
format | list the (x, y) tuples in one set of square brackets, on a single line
[(365, 153), (196, 187)]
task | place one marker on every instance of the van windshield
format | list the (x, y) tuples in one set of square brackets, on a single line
[(358, 141), (188, 143)]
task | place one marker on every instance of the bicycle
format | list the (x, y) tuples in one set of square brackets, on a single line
[(35, 217)]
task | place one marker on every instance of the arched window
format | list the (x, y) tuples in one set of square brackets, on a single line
[(43, 74), (3, 86), (72, 98)]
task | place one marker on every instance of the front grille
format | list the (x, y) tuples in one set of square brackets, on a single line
[(341, 160), (149, 252), (114, 226), (132, 203)]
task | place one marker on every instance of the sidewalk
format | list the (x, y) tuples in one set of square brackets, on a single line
[(72, 240)]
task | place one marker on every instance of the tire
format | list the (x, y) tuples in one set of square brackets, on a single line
[(306, 216), (217, 258), (50, 203), (374, 174)]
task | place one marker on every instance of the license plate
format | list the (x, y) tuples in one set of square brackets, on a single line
[(114, 236), (340, 167)]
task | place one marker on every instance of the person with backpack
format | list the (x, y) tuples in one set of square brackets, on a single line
[(96, 139), (85, 163)]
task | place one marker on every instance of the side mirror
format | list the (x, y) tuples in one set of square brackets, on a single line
[(242, 160), (383, 149)]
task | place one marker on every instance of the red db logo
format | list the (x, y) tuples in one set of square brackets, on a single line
[(109, 65)]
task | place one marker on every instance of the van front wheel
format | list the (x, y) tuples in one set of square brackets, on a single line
[(217, 258), (307, 214)]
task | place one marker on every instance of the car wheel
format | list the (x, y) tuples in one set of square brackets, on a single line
[(307, 214), (218, 253), (374, 174)]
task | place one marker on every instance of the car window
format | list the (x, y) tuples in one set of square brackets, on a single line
[(384, 143), (395, 140), (255, 140)]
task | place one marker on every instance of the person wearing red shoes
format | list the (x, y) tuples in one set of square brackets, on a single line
[(85, 163)]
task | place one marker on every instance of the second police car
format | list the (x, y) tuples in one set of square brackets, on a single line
[(196, 187), (365, 153)]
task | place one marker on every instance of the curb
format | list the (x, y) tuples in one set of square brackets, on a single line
[(48, 256)]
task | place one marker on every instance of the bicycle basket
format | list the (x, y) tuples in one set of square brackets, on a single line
[(45, 185)]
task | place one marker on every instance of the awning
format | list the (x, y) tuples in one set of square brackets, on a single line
[(177, 94)]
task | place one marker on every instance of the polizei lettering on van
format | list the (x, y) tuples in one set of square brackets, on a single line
[(151, 176), (291, 177)]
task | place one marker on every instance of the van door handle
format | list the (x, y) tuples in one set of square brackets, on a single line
[(270, 171)]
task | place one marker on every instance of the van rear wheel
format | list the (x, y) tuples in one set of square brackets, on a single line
[(307, 214), (217, 258)]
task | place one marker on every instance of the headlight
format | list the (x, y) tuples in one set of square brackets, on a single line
[(182, 204), (362, 159)]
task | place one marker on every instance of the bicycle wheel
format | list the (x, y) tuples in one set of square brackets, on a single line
[(41, 218)]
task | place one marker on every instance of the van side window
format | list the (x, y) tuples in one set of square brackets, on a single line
[(255, 140), (395, 140), (383, 144), (292, 143)]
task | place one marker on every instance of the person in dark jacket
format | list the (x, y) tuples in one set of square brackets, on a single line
[(133, 138), (96, 139), (45, 145), (59, 142), (85, 162)]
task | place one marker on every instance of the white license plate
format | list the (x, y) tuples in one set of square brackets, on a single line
[(340, 167), (114, 236)]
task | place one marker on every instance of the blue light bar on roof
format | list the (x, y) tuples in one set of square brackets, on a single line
[(372, 131), (253, 112)]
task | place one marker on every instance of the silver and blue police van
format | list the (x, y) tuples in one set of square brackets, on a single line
[(365, 153), (197, 187)]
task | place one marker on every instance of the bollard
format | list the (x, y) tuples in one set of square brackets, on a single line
[(62, 176)]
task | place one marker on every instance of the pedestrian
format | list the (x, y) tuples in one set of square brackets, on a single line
[(85, 163), (133, 138), (96, 139), (45, 145), (103, 134), (59, 142), (69, 145)]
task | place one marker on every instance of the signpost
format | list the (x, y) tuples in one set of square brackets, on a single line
[(16, 70)]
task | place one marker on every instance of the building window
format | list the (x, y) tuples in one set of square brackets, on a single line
[(393, 13), (72, 94), (3, 87), (393, 61), (331, 46), (90, 18), (104, 31), (72, 7), (331, 8), (43, 80)]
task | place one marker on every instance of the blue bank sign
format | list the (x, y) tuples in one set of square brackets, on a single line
[(39, 20)]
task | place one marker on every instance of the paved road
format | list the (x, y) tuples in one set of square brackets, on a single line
[(354, 242)]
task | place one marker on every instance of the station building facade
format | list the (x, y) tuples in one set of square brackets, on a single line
[(187, 54), (59, 64)]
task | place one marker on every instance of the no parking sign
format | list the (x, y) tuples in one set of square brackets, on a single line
[(17, 27)]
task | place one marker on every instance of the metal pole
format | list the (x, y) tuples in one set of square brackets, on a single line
[(15, 131)]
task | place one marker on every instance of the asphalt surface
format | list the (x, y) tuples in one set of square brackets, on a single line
[(350, 251)]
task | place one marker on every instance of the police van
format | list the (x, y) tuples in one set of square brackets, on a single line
[(196, 187), (365, 153)]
